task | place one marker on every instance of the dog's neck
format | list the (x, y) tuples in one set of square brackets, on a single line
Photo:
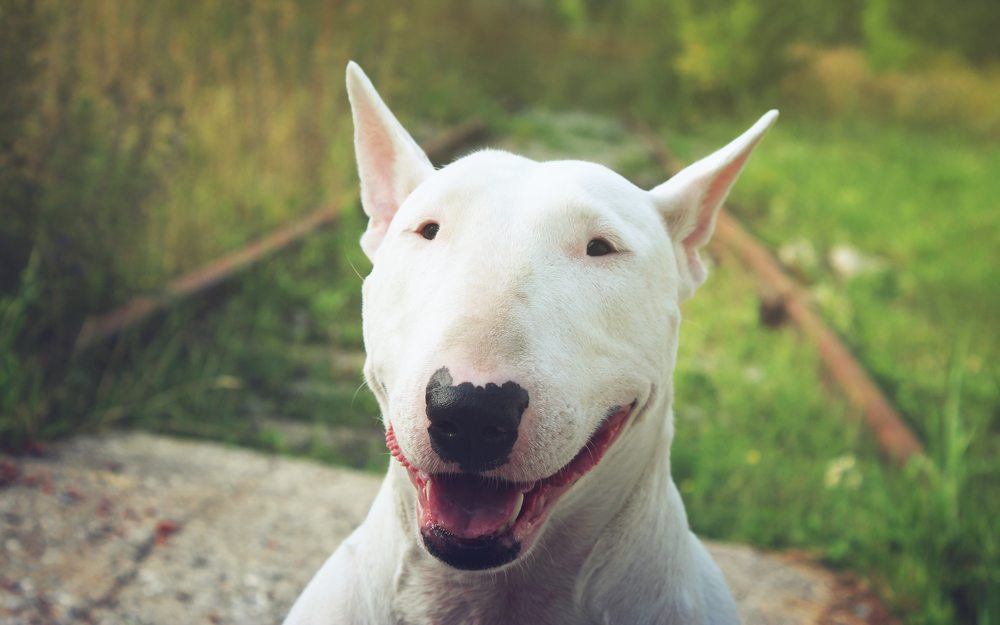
[(610, 509)]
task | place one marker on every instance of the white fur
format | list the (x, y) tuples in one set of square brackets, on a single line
[(506, 292)]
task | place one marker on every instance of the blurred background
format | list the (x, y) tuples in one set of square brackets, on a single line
[(141, 140)]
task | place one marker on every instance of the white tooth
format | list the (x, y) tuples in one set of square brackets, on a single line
[(513, 515), (517, 507), (427, 490)]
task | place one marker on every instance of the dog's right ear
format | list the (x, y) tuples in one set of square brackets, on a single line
[(390, 163), (690, 201)]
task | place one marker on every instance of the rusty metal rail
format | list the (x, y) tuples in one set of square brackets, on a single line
[(896, 440), (105, 326)]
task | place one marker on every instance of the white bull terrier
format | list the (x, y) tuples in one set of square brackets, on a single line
[(521, 323)]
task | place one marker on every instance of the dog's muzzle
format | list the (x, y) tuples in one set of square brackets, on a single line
[(473, 522)]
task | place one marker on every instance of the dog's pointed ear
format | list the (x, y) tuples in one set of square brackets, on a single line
[(690, 200), (390, 163)]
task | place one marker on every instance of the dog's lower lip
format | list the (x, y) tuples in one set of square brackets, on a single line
[(514, 511)]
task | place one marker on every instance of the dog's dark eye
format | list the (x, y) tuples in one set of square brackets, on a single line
[(599, 247), (429, 230)]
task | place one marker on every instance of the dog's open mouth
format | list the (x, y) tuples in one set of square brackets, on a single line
[(474, 522)]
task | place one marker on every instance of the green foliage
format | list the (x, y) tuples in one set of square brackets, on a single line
[(254, 365), (20, 36), (886, 45), (922, 318), (762, 456), (966, 28), (21, 388), (913, 202)]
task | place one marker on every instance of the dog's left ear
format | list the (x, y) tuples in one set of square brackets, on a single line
[(691, 200), (390, 163)]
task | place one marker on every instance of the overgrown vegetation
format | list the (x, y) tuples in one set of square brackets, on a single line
[(138, 140)]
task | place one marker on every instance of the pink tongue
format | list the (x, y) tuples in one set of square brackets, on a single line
[(470, 507)]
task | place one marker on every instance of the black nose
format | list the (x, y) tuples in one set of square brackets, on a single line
[(475, 426)]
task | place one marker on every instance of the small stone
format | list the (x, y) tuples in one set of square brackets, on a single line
[(13, 519), (70, 496), (800, 256), (848, 262)]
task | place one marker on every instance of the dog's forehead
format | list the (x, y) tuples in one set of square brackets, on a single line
[(524, 188)]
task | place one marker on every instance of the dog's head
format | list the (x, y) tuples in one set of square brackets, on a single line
[(518, 319)]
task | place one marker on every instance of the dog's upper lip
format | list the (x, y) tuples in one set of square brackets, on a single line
[(470, 506)]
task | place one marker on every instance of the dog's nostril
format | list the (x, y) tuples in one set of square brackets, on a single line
[(492, 433), (446, 428)]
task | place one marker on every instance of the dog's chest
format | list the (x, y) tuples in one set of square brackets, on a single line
[(429, 597)]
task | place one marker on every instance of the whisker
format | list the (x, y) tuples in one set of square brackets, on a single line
[(356, 272), (363, 384)]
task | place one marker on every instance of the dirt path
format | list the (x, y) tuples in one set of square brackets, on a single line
[(141, 529)]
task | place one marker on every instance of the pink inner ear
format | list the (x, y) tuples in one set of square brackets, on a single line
[(712, 199), (379, 161)]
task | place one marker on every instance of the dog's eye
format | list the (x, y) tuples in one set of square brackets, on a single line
[(599, 247), (429, 230)]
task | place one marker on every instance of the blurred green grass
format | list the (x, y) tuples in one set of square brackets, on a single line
[(922, 317), (140, 140), (915, 208)]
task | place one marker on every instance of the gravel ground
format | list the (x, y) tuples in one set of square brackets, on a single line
[(142, 529)]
